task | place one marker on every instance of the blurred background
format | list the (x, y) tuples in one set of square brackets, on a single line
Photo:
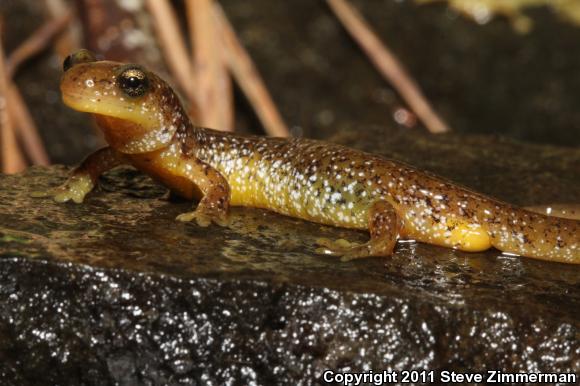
[(321, 69)]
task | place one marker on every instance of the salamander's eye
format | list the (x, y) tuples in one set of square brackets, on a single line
[(133, 81)]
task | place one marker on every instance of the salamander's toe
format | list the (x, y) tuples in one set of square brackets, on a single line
[(342, 248), (202, 218)]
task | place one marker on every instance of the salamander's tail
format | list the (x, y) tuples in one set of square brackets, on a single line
[(536, 235)]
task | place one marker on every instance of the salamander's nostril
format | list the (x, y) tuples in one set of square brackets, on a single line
[(81, 56), (68, 63)]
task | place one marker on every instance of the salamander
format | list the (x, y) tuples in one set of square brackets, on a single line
[(146, 126)]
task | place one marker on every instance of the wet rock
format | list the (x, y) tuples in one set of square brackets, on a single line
[(115, 291)]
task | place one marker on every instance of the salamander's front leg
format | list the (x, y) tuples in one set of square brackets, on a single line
[(83, 178), (215, 203), (384, 228)]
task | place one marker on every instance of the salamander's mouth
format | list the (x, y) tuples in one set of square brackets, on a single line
[(110, 107), (79, 102), (103, 106)]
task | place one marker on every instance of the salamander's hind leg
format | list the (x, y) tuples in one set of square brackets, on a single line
[(384, 228)]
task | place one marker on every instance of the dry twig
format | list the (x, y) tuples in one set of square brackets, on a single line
[(173, 46), (211, 78), (69, 40), (12, 159), (36, 42), (387, 64), (247, 76), (26, 130)]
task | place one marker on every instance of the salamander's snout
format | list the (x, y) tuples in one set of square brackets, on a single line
[(81, 56)]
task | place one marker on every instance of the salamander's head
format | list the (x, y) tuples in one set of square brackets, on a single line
[(136, 109)]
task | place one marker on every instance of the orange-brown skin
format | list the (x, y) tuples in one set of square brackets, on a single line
[(146, 126)]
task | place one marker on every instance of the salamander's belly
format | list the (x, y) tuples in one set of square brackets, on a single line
[(304, 179), (287, 190)]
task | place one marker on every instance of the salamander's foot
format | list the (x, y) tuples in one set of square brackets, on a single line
[(342, 248), (204, 218), (74, 189)]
